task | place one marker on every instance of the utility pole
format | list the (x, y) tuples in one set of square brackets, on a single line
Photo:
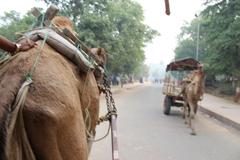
[(197, 48), (198, 30)]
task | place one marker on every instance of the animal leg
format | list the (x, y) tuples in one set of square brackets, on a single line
[(191, 117), (195, 109), (185, 112), (183, 115)]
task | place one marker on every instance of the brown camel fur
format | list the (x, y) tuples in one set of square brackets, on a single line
[(63, 22), (192, 93), (54, 109)]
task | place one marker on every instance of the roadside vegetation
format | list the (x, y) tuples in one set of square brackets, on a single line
[(116, 25), (219, 44)]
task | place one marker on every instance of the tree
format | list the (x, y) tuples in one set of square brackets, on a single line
[(116, 25), (223, 34), (187, 48), (219, 37), (187, 41), (142, 71), (12, 23)]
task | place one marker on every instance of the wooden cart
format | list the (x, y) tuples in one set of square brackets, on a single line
[(176, 73)]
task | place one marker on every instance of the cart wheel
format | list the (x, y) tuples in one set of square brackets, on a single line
[(167, 105)]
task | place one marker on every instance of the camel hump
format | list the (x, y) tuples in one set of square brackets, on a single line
[(63, 22)]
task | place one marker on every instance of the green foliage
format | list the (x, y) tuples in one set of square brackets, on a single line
[(219, 38), (223, 34), (226, 89), (142, 71), (12, 23), (116, 25), (186, 49)]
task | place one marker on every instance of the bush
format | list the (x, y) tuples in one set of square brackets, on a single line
[(226, 89), (221, 89)]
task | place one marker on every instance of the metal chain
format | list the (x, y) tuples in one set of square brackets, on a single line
[(111, 108), (108, 95), (110, 116)]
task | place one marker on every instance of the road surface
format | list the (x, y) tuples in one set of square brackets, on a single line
[(146, 134)]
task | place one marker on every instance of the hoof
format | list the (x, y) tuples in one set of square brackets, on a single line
[(185, 123), (193, 133)]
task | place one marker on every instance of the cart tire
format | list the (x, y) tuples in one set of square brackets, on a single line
[(167, 105)]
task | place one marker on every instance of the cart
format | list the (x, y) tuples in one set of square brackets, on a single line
[(176, 72)]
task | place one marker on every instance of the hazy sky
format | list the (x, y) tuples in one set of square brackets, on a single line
[(162, 48), (19, 5)]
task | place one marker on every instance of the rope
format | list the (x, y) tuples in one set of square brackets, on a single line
[(40, 48), (99, 139), (107, 117), (17, 121), (88, 120), (87, 114), (110, 106)]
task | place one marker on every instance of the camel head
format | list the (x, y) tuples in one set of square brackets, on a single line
[(101, 54), (198, 82), (198, 75)]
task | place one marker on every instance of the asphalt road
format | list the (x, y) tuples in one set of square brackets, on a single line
[(146, 134)]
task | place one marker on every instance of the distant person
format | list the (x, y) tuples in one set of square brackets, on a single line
[(13, 48), (123, 80), (237, 95), (131, 79), (114, 81), (118, 80)]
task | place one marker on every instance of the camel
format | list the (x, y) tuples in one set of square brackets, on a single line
[(54, 110), (192, 93)]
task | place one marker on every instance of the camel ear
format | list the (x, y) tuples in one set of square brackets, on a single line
[(102, 54), (99, 51)]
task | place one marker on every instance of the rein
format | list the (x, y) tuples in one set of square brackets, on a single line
[(112, 113), (111, 116), (16, 121)]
